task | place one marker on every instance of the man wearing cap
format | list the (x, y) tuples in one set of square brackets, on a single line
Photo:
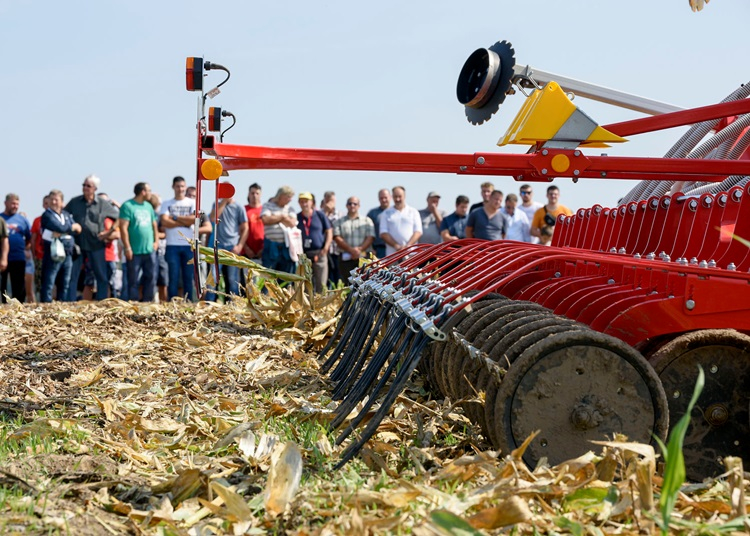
[(400, 225), (317, 235), (432, 218)]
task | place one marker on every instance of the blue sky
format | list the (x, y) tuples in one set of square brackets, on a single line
[(98, 87)]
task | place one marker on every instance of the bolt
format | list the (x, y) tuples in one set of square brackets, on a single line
[(717, 414), (651, 256), (462, 168), (714, 369), (558, 274), (694, 260), (712, 263), (545, 152), (520, 177), (703, 264), (610, 281), (731, 266), (690, 305), (576, 172), (480, 160), (613, 250), (544, 171), (637, 256), (621, 251), (576, 153), (604, 173)]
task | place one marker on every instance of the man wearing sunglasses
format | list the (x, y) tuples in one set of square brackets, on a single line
[(528, 206), (90, 212), (353, 234)]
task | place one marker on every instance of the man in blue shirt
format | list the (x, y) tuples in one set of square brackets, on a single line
[(19, 238), (488, 223), (317, 235), (231, 234), (454, 226)]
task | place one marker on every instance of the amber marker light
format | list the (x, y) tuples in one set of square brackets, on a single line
[(211, 169), (194, 74), (214, 119)]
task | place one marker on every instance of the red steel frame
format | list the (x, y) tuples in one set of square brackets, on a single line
[(632, 298)]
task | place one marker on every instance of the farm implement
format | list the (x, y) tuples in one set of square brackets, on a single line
[(550, 347)]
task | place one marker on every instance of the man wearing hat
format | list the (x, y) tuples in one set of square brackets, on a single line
[(432, 218), (317, 235)]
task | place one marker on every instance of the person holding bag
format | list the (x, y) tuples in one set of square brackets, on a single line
[(57, 229)]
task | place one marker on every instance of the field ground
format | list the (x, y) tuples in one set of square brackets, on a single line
[(121, 418)]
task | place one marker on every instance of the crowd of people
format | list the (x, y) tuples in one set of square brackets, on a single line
[(94, 248)]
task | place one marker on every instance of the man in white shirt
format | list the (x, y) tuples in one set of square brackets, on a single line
[(529, 206), (400, 225), (518, 225), (177, 217), (276, 214)]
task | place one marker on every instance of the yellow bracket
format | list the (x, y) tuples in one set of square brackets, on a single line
[(548, 115)]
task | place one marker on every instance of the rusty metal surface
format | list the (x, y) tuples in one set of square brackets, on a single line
[(719, 424), (577, 386)]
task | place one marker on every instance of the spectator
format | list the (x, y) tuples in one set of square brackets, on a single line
[(57, 223), (231, 235), (253, 247), (90, 212), (37, 245), (328, 206), (28, 276), (384, 198), (316, 238), (177, 219), (3, 245), (161, 268), (353, 235), (400, 225), (191, 192), (543, 224), (111, 253), (432, 219), (529, 206), (139, 231), (486, 189), (488, 223), (454, 226), (19, 238), (516, 221), (276, 214)]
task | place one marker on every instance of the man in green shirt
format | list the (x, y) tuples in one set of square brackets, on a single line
[(139, 235)]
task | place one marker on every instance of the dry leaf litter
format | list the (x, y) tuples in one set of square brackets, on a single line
[(203, 418)]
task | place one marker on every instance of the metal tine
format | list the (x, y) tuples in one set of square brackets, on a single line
[(361, 318), (361, 307), (345, 384), (410, 363), (362, 326), (394, 332), (376, 387), (344, 310), (341, 390)]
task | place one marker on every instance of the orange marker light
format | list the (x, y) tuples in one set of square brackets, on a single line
[(211, 169), (214, 119), (194, 74)]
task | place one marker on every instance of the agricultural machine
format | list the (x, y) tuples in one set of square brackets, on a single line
[(550, 347)]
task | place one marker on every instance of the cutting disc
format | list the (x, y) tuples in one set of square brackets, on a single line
[(484, 81)]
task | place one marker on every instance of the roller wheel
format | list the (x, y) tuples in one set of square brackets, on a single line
[(575, 387), (719, 424)]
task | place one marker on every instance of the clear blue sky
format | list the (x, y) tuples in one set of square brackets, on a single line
[(98, 87)]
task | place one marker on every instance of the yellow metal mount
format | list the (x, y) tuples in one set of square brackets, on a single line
[(549, 117)]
